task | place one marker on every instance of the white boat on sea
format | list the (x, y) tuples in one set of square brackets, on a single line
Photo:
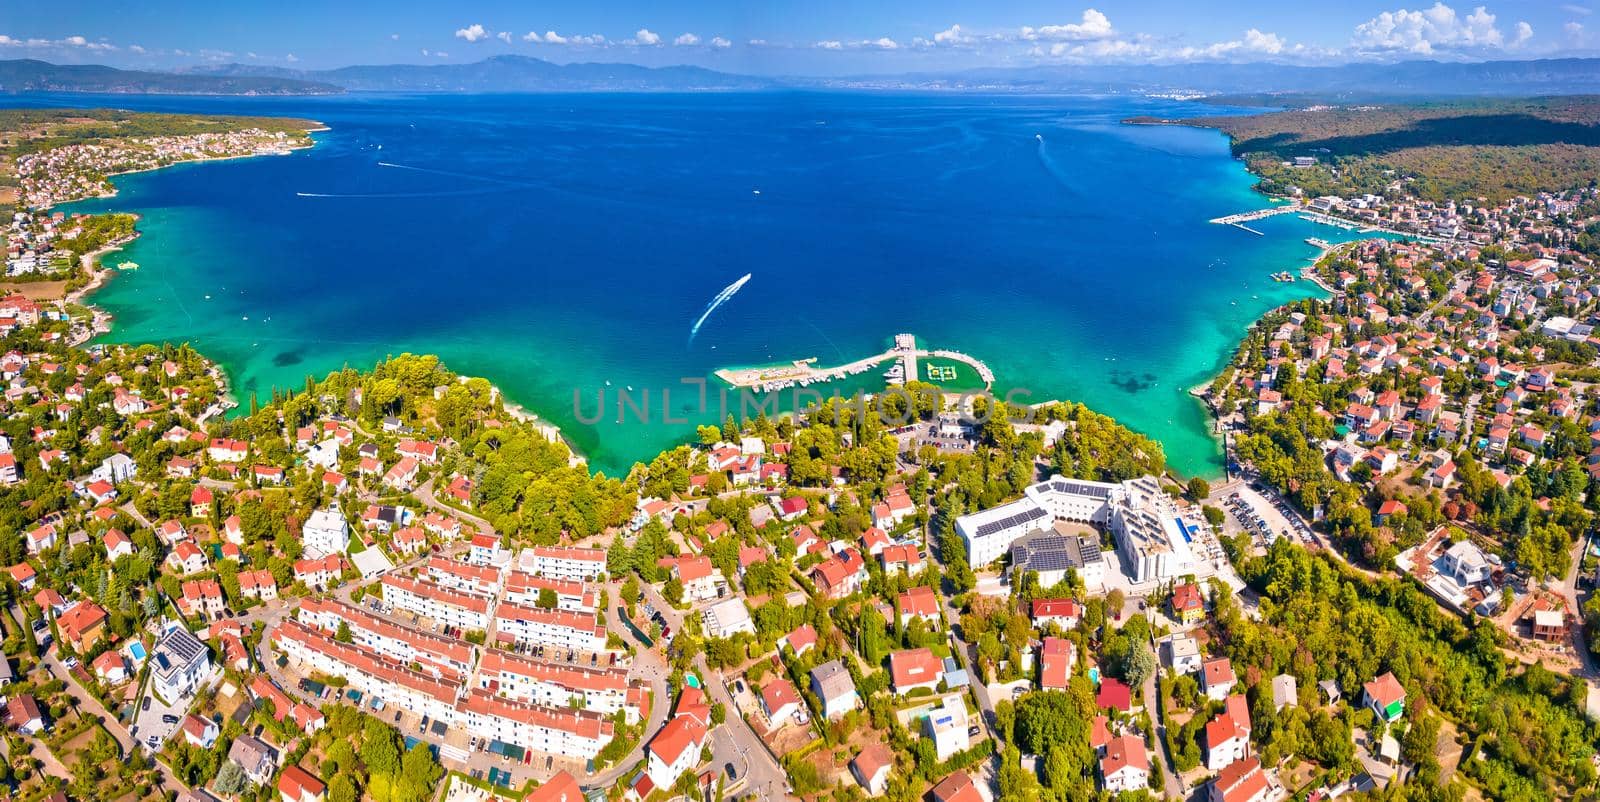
[(128, 266)]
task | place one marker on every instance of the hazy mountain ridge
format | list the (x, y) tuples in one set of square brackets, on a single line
[(29, 75), (508, 74), (514, 73)]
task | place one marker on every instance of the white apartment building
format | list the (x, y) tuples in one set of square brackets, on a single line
[(564, 563), (325, 532), (525, 679), (445, 657), (1151, 540), (178, 663), (367, 672), (577, 734), (452, 608), (524, 588), (727, 617), (483, 580), (531, 626)]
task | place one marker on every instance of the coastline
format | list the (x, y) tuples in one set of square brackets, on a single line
[(101, 320), (112, 192)]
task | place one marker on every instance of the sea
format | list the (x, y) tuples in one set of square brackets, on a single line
[(565, 245)]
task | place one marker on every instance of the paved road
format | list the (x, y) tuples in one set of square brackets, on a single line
[(765, 776), (1569, 591), (1157, 709), (647, 665), (88, 704), (424, 494)]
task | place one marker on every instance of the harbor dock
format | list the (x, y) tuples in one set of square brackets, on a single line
[(804, 372), (1259, 214)]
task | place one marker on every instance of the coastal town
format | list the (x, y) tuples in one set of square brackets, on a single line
[(388, 584)]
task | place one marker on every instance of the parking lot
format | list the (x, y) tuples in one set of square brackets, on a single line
[(158, 720), (1266, 517)]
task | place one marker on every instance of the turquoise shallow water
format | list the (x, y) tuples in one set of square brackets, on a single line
[(557, 243)]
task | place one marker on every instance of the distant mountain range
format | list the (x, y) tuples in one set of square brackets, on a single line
[(505, 74), (512, 73), (28, 75), (1408, 78)]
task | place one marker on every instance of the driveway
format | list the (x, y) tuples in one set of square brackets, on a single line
[(87, 703)]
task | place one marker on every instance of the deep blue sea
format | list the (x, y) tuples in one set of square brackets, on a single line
[(555, 243)]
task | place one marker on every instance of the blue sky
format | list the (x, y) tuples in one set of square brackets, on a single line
[(816, 37)]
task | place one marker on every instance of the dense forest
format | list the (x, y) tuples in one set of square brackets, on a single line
[(1489, 148)]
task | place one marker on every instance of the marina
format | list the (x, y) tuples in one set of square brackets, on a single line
[(903, 356)]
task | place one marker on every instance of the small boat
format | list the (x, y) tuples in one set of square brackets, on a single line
[(128, 266)]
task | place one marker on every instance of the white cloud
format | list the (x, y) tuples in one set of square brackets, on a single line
[(646, 37), (1574, 8), (1437, 28), (830, 45), (720, 43), (881, 43), (1094, 25), (291, 58), (952, 35), (131, 48), (504, 36), (472, 33), (1573, 29), (686, 40), (757, 43), (394, 37), (1257, 42), (69, 41)]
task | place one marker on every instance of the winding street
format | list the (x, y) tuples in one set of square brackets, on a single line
[(646, 666), (88, 704), (764, 776)]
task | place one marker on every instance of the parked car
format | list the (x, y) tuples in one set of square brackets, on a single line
[(169, 719)]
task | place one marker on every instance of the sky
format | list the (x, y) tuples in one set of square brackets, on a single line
[(794, 37)]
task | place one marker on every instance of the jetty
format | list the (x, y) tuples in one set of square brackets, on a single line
[(804, 372), (1259, 214)]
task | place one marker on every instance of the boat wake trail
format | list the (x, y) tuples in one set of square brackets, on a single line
[(1053, 169), (721, 298), (469, 176), (382, 195)]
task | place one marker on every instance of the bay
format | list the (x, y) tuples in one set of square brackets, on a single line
[(563, 245)]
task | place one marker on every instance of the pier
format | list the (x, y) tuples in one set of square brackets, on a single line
[(1313, 216), (805, 372), (1259, 214)]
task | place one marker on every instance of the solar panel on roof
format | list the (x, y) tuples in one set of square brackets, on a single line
[(1027, 516)]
